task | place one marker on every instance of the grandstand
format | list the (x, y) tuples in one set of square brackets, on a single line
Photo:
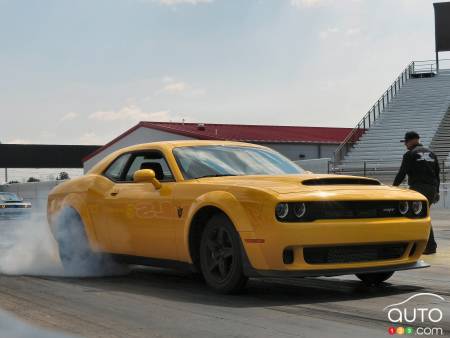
[(419, 100)]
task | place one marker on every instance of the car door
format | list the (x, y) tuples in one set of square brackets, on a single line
[(100, 198), (141, 216)]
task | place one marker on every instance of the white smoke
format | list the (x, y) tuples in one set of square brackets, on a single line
[(27, 247)]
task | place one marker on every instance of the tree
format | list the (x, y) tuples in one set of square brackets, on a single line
[(33, 179), (13, 182), (62, 176)]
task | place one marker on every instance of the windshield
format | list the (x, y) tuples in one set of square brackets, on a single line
[(210, 161), (9, 197)]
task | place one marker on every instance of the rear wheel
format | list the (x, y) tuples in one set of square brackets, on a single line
[(221, 257), (75, 252), (374, 278)]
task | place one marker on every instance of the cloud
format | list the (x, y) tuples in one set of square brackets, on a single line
[(68, 117), (173, 86), (330, 31), (350, 32), (299, 4), (183, 2), (307, 3), (130, 112), (353, 31), (91, 138)]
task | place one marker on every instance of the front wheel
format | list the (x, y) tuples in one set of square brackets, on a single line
[(374, 278), (221, 257)]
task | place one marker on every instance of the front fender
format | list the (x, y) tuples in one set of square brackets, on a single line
[(227, 203)]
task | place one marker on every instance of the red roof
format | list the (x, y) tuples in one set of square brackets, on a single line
[(242, 132)]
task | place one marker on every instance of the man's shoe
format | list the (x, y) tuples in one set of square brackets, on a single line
[(429, 251)]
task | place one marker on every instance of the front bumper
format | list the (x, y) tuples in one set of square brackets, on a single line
[(264, 247), (250, 272)]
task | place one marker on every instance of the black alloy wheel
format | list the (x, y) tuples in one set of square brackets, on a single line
[(221, 257)]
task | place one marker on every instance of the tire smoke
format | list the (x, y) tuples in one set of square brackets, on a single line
[(27, 247)]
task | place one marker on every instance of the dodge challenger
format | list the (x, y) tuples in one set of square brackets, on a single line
[(230, 211), (13, 206)]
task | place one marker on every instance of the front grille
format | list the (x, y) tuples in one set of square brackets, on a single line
[(353, 253), (350, 210)]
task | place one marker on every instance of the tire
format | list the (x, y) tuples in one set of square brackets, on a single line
[(75, 252), (221, 256), (374, 278)]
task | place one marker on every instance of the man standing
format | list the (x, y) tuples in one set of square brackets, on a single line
[(422, 167)]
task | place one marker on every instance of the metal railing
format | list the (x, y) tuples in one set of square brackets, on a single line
[(429, 66), (373, 114), (385, 171)]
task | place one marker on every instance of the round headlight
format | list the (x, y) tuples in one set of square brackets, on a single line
[(282, 210), (403, 207), (299, 210), (416, 207)]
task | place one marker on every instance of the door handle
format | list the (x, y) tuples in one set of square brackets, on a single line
[(114, 192)]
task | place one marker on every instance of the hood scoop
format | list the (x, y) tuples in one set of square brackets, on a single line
[(341, 181)]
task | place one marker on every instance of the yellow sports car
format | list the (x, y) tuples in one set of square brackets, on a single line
[(234, 210)]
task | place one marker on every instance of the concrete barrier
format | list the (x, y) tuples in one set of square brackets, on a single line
[(34, 192)]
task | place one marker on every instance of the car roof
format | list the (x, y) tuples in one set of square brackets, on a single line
[(166, 146), (188, 143), (169, 145)]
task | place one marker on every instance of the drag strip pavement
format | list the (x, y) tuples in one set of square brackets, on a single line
[(162, 303)]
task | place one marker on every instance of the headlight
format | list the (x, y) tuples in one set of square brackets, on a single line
[(282, 210), (403, 207), (299, 210), (416, 207)]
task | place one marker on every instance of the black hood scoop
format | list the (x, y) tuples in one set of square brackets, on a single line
[(341, 181)]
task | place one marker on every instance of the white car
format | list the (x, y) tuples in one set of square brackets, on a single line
[(13, 206)]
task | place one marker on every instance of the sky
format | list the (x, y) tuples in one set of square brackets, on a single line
[(81, 72)]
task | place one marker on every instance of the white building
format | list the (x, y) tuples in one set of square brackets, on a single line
[(295, 143)]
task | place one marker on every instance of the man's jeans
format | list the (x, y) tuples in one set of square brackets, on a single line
[(429, 191)]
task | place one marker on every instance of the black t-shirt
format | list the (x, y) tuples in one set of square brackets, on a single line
[(422, 167)]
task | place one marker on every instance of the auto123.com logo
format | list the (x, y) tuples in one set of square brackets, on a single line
[(418, 315)]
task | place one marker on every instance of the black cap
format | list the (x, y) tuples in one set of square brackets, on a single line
[(410, 135)]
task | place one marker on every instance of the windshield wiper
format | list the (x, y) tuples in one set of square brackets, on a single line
[(216, 175)]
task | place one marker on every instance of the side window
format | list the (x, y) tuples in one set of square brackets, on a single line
[(115, 170), (150, 160)]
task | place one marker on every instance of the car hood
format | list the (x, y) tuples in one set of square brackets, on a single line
[(328, 185)]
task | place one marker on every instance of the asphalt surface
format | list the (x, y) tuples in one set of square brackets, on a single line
[(151, 302)]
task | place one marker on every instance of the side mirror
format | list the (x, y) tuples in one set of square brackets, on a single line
[(146, 176)]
